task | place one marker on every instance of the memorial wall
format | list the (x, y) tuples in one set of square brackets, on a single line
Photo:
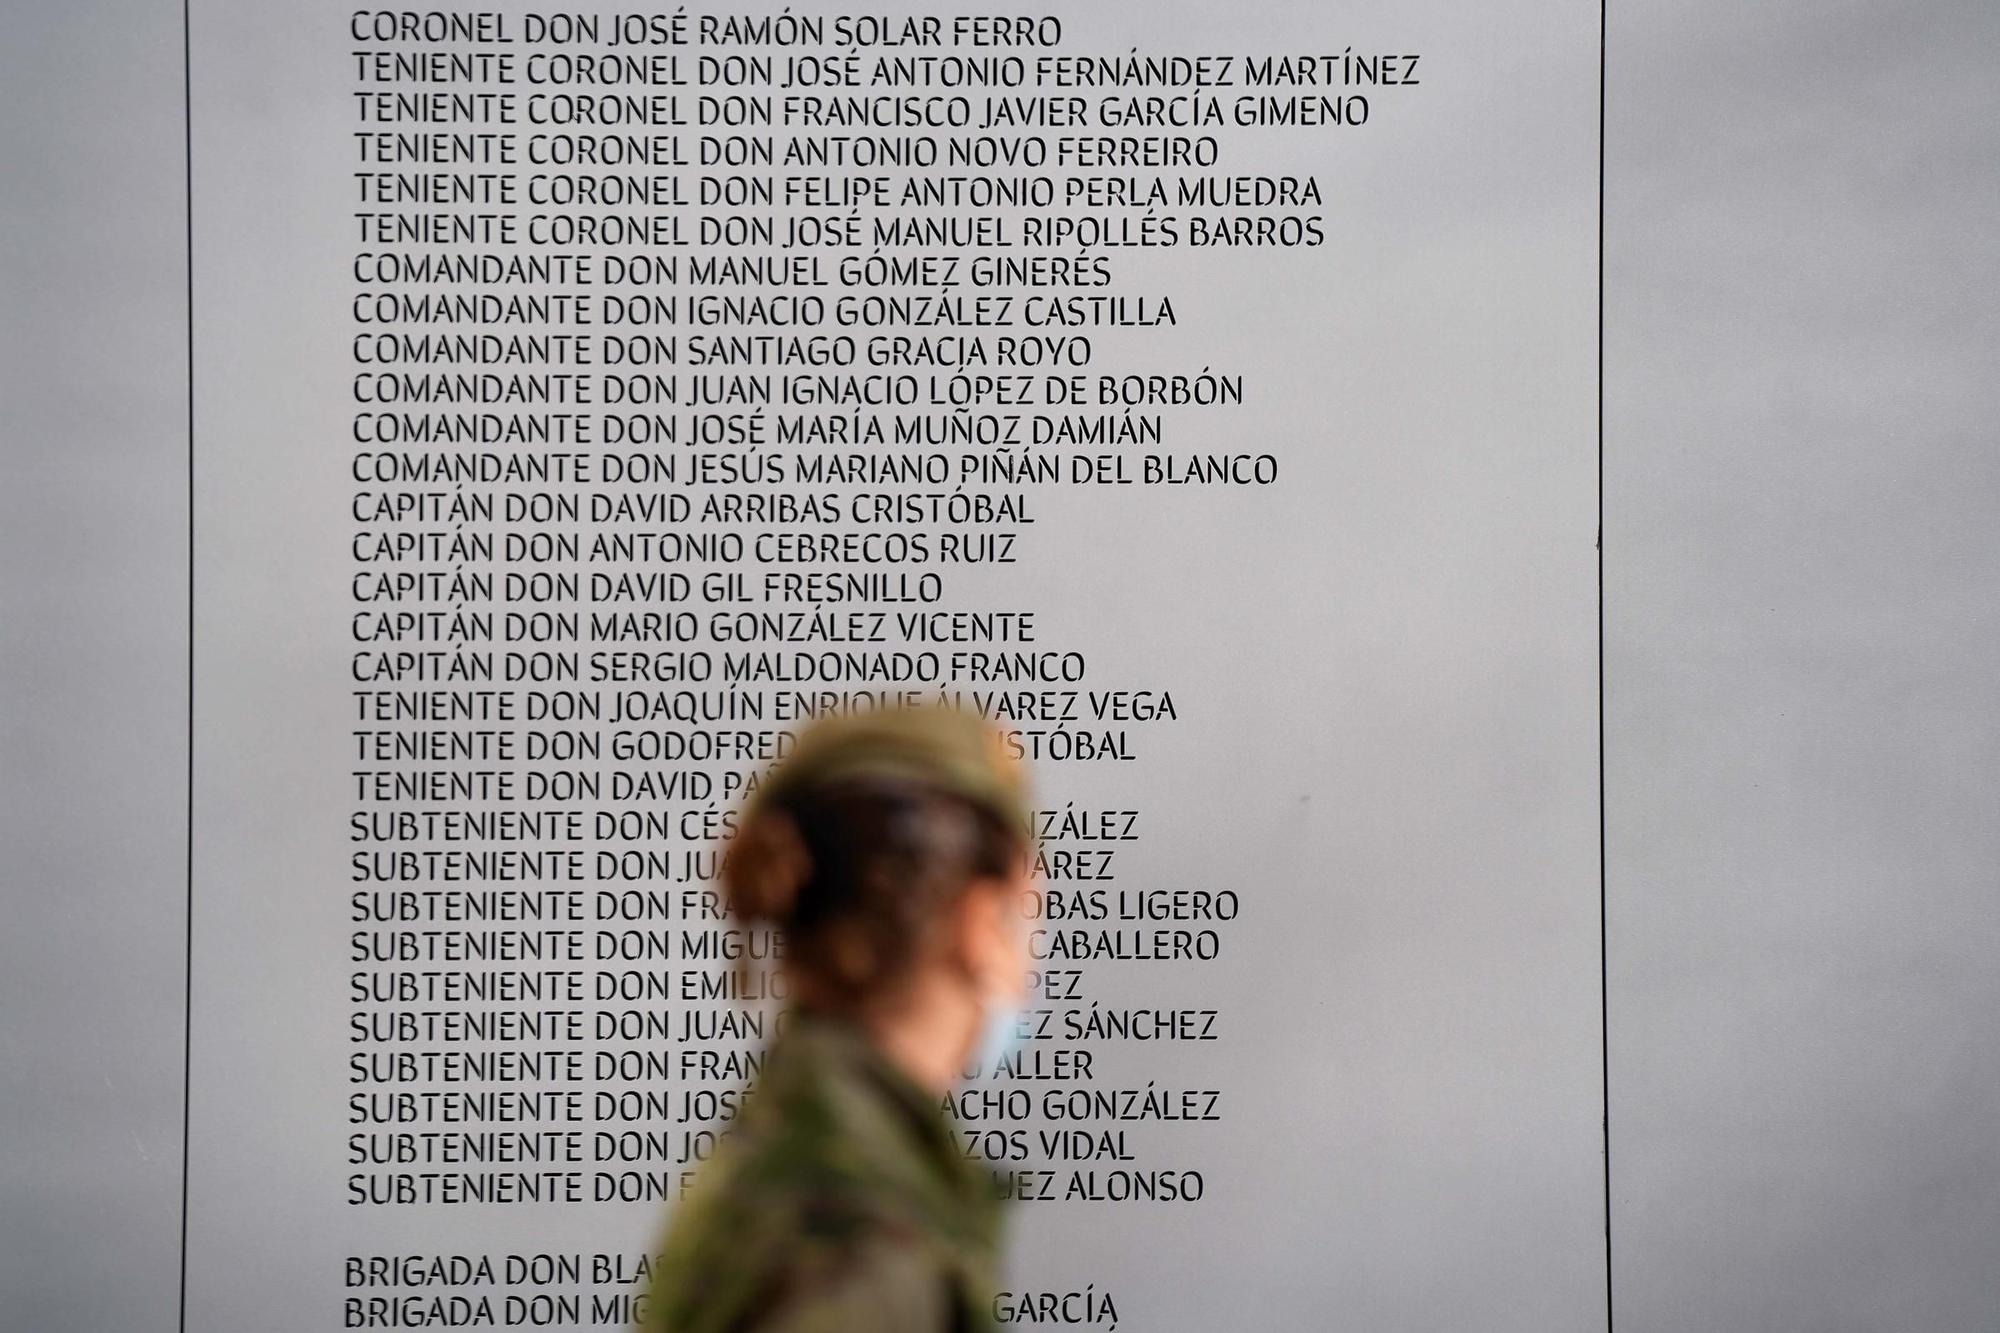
[(359, 968), (586, 399)]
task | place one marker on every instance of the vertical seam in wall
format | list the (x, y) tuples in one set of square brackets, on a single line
[(187, 993), (1603, 915)]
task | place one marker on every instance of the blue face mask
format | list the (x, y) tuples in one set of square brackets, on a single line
[(999, 1034), (1003, 1011)]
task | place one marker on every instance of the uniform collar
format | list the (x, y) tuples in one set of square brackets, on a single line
[(903, 1136)]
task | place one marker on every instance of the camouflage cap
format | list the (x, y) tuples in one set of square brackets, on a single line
[(942, 746)]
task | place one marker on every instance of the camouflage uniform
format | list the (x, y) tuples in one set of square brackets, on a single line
[(840, 1200)]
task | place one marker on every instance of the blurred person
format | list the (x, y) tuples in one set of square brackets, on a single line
[(890, 851)]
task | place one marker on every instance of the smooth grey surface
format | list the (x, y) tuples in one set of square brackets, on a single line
[(1385, 666), (93, 658), (1801, 565)]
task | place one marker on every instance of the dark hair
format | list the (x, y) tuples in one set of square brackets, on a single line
[(855, 873)]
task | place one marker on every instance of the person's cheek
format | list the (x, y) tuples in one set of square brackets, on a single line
[(1021, 959)]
